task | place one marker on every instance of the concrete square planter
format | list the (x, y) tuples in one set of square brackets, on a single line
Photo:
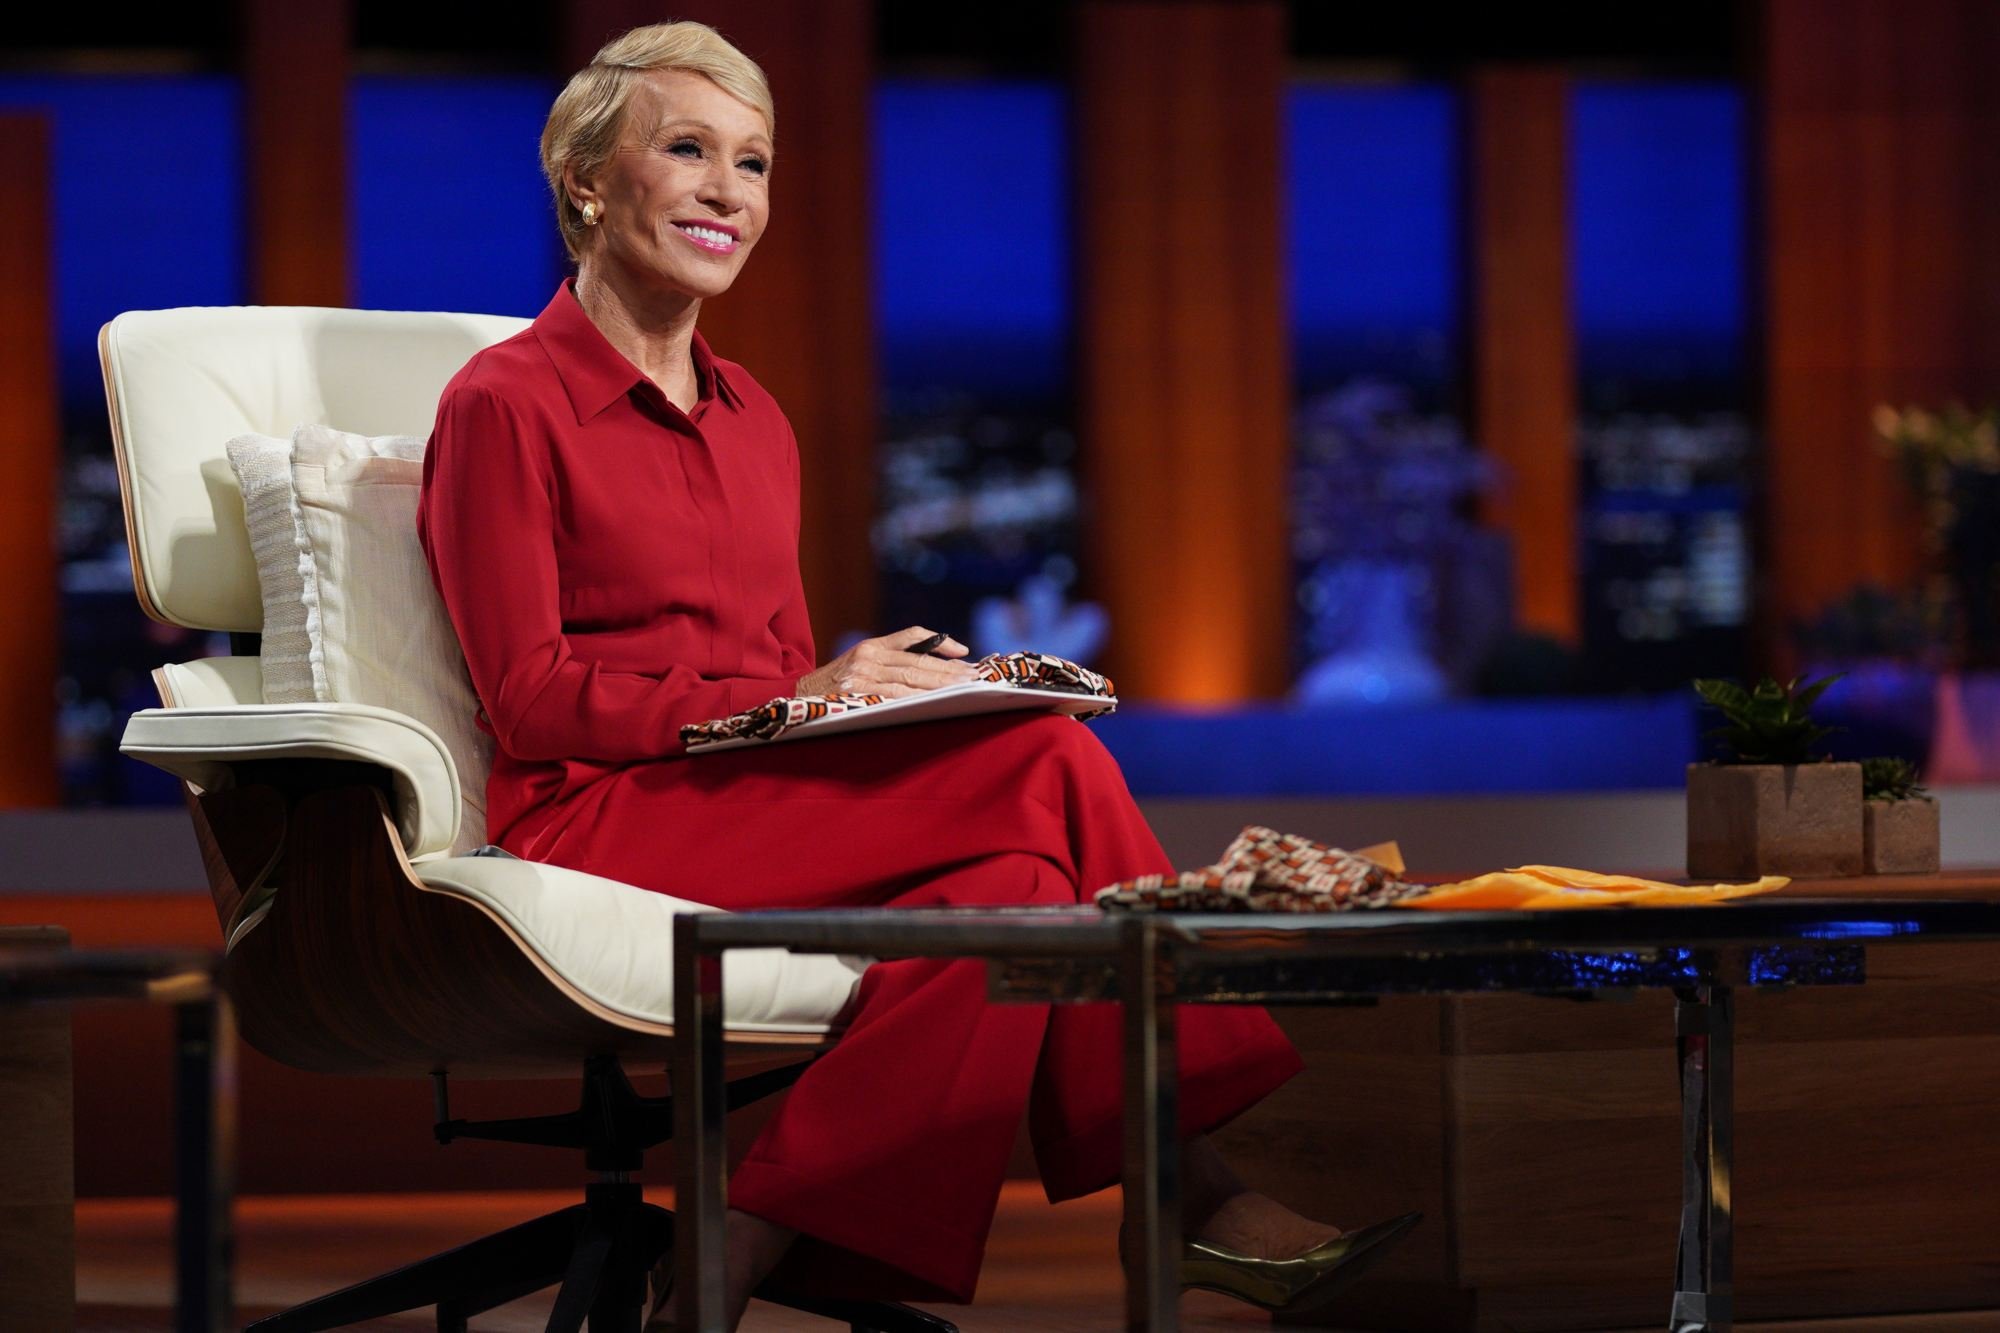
[(1748, 820), (1900, 837)]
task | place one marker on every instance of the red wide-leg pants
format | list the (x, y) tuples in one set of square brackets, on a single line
[(888, 1155)]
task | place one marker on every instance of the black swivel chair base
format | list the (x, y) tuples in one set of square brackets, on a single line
[(599, 1250)]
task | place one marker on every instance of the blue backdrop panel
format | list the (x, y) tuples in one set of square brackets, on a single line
[(449, 210), (1541, 745), (972, 245), (1658, 217), (146, 204), (1373, 180)]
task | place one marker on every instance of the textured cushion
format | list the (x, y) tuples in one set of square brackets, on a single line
[(614, 943), (263, 468), (344, 582)]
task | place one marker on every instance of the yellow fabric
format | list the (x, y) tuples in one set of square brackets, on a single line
[(1537, 887)]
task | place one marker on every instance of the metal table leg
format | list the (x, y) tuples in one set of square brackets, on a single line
[(1704, 1024), (204, 1164), (701, 1154), (1152, 1139)]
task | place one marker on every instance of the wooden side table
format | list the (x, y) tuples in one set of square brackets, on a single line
[(37, 1175), (43, 978)]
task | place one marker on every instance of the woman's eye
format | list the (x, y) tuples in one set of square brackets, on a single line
[(756, 165), (686, 146)]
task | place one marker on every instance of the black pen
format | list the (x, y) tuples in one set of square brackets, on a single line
[(926, 647)]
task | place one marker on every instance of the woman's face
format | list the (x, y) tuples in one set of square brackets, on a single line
[(687, 192)]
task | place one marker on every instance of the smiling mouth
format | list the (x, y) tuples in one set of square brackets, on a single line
[(711, 239)]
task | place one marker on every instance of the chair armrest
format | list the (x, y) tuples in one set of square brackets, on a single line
[(203, 746)]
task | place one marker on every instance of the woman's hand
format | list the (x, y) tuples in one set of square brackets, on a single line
[(884, 666)]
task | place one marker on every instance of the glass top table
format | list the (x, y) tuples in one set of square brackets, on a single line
[(1814, 934)]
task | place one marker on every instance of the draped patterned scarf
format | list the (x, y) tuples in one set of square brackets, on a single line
[(1266, 871)]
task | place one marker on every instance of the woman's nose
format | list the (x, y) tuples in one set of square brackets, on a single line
[(721, 189)]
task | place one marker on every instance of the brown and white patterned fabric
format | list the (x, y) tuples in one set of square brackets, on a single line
[(1266, 871), (1040, 671), (1028, 671)]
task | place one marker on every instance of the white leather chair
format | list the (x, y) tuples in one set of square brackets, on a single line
[(356, 942)]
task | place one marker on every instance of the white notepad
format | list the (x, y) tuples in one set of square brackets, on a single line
[(967, 700)]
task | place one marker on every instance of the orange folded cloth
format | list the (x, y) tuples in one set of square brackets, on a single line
[(1538, 887)]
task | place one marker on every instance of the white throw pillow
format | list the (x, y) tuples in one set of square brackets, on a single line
[(374, 629), (263, 467)]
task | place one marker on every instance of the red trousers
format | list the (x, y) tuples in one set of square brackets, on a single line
[(888, 1155)]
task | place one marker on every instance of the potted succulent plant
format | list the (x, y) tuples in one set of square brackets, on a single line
[(1772, 804), (1899, 828)]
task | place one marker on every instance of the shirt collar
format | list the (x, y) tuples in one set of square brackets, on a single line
[(595, 374)]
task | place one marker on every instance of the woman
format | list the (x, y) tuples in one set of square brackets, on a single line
[(611, 514)]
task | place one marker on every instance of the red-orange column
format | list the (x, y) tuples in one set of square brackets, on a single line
[(589, 24), (801, 315), (30, 441), (1523, 343), (295, 66), (1184, 367), (1879, 139)]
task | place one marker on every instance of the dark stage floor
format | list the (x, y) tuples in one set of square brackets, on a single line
[(1047, 1270)]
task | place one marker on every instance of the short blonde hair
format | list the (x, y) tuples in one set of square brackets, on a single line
[(588, 117)]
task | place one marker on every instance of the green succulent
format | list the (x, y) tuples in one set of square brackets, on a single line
[(1890, 779), (1770, 724)]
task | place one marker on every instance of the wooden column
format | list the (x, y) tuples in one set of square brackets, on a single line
[(801, 316), (1523, 341), (295, 67), (30, 444), (589, 24), (1880, 194), (1184, 368)]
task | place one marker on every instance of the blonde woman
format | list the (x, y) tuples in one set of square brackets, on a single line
[(611, 513)]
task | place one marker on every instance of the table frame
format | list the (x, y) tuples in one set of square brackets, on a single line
[(1154, 962), (204, 1082)]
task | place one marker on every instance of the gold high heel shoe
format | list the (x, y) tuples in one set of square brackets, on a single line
[(1288, 1286)]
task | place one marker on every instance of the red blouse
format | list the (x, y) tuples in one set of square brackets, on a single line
[(615, 568)]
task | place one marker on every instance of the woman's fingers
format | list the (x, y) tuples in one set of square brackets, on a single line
[(887, 689), (929, 671), (916, 677), (887, 667), (932, 673), (911, 675), (907, 639)]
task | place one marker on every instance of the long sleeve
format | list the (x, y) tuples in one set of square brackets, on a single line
[(487, 523), (792, 626)]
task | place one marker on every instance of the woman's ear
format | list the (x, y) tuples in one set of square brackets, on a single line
[(580, 189)]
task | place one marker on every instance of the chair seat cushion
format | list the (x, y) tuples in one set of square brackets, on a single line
[(614, 943)]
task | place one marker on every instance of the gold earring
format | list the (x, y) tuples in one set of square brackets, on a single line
[(590, 215)]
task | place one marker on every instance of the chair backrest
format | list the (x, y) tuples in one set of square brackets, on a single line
[(183, 383)]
